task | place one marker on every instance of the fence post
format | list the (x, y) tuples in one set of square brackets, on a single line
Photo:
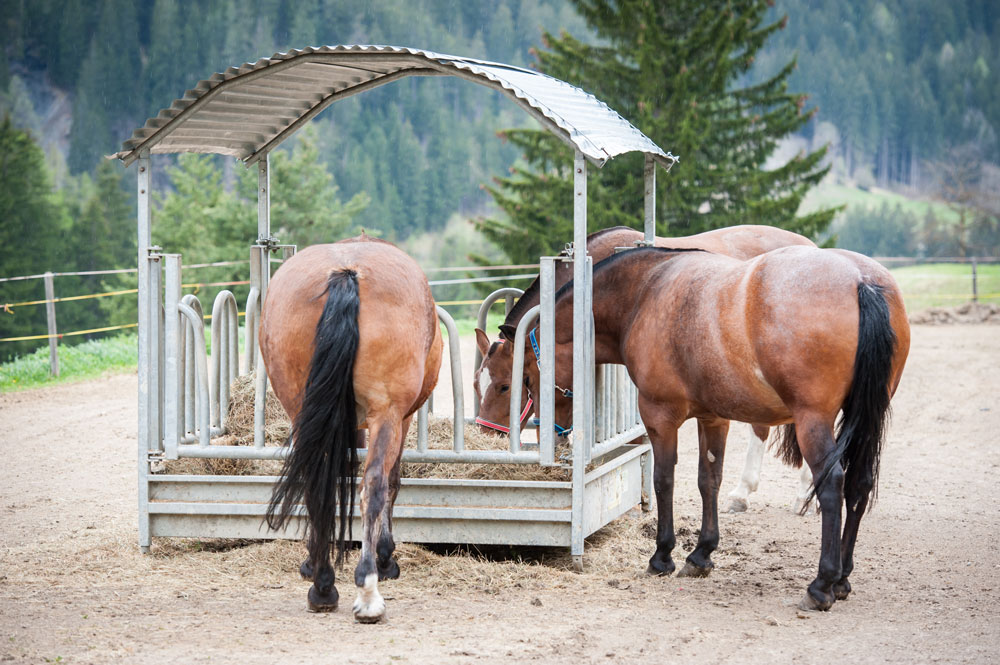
[(50, 315), (975, 287)]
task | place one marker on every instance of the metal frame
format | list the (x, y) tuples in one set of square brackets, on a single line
[(182, 403)]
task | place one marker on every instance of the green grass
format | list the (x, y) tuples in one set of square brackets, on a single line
[(946, 284), (76, 363)]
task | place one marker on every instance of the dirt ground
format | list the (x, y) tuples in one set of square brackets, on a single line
[(74, 587)]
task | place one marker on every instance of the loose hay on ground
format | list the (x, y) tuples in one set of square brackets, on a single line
[(970, 312)]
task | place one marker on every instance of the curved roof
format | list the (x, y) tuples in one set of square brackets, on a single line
[(246, 111)]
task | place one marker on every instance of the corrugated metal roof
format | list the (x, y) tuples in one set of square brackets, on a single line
[(246, 111)]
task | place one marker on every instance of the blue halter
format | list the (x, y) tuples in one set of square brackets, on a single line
[(561, 431)]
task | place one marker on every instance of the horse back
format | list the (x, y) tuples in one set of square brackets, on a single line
[(399, 346)]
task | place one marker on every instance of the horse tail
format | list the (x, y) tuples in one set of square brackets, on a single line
[(322, 462), (865, 411)]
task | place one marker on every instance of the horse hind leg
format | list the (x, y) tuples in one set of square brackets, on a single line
[(739, 497), (306, 568), (856, 497), (819, 451), (369, 606), (712, 445), (388, 567)]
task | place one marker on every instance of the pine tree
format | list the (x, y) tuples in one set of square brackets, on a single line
[(676, 71), (32, 234)]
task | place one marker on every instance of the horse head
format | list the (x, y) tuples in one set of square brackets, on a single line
[(492, 384)]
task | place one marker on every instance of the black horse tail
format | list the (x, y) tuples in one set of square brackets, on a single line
[(322, 462), (865, 411)]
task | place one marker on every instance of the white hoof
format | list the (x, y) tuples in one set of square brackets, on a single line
[(369, 607)]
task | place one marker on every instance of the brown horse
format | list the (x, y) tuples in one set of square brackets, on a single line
[(493, 377), (350, 337), (794, 336)]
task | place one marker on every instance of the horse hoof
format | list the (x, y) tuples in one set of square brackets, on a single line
[(659, 569), (318, 602), (306, 570), (842, 589), (810, 604), (388, 572), (691, 570), (737, 505), (371, 612)]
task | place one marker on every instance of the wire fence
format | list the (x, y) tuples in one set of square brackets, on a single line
[(924, 281)]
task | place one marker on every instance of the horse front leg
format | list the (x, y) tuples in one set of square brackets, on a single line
[(663, 436), (369, 606), (712, 449), (739, 497)]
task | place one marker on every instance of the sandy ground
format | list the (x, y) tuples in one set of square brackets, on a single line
[(74, 588)]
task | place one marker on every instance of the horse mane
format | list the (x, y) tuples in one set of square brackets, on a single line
[(531, 294), (637, 253), (523, 303)]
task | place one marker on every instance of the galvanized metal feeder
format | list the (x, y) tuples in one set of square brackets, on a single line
[(246, 112)]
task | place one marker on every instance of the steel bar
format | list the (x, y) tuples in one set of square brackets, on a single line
[(143, 223), (457, 389), (481, 317), (546, 364), (197, 332), (581, 410), (517, 376), (649, 201), (173, 427)]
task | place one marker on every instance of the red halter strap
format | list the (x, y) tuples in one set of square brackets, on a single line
[(501, 428)]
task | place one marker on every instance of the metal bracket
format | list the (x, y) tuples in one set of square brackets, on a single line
[(640, 243), (567, 251), (154, 252), (269, 243)]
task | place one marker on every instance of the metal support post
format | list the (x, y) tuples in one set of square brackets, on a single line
[(263, 238), (649, 199), (144, 360), (580, 338)]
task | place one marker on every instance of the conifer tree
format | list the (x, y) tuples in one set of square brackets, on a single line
[(676, 71)]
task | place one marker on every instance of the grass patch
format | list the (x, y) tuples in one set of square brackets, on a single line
[(81, 361), (946, 284)]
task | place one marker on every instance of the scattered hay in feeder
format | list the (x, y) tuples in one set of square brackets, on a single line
[(239, 423), (440, 434), (240, 426)]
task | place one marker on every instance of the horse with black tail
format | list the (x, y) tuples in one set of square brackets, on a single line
[(793, 337), (350, 337)]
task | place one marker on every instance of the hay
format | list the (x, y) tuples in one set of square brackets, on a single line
[(240, 432), (240, 426), (970, 312), (440, 434), (239, 418)]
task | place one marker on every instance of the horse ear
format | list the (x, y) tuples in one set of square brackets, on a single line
[(508, 332), (482, 342)]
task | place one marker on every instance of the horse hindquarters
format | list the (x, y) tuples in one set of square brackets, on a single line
[(321, 465), (847, 467)]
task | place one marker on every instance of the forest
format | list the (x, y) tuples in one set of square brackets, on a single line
[(763, 100)]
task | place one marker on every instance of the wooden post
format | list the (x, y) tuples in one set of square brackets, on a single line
[(975, 287), (50, 315)]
